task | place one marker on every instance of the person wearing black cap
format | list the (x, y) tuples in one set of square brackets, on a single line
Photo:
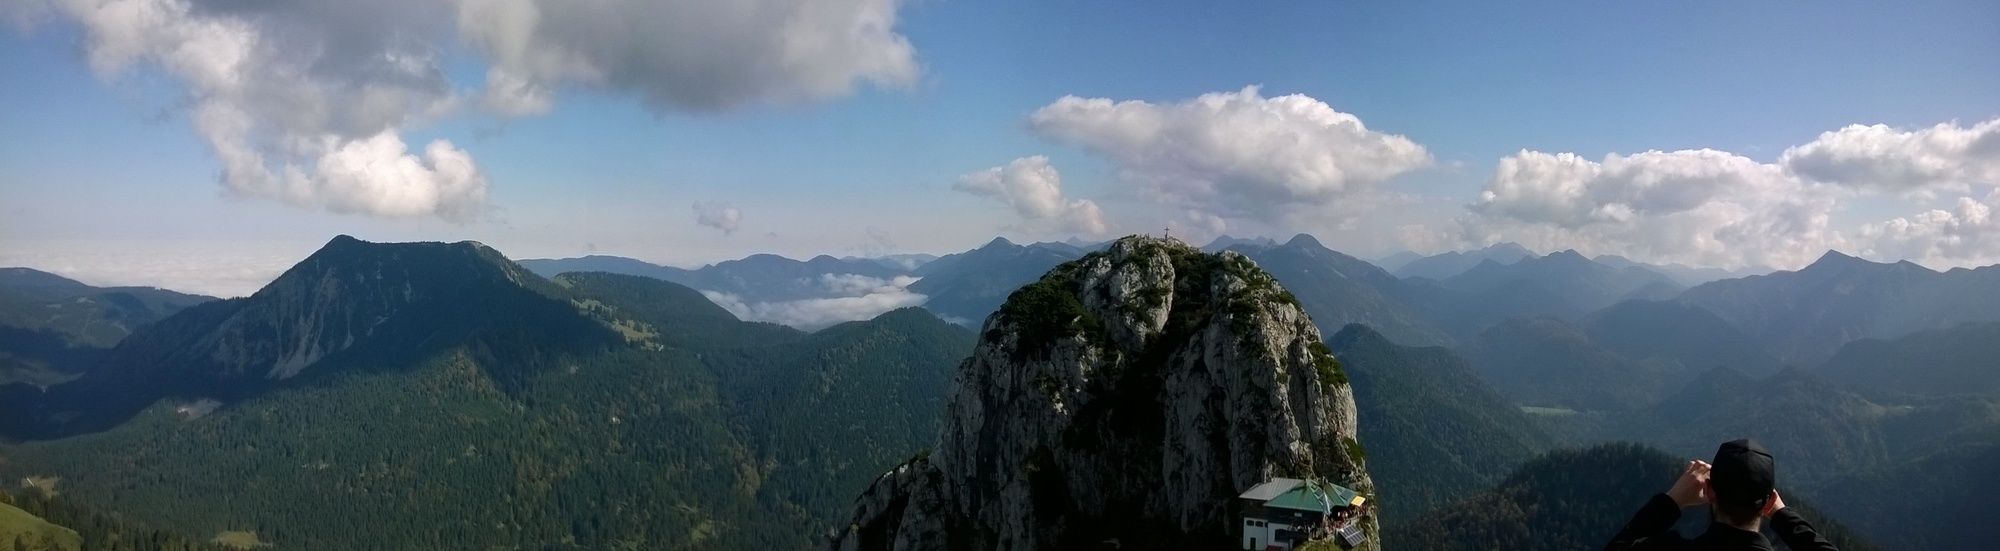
[(1740, 489)]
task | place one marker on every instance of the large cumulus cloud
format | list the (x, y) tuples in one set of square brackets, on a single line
[(1708, 207), (1880, 157), (1033, 188), (1239, 152), (308, 102), (301, 102), (1965, 233), (1701, 207)]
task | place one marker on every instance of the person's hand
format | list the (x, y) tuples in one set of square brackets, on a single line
[(1692, 488), (1774, 505)]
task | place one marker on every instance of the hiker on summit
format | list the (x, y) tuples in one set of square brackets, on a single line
[(1740, 489)]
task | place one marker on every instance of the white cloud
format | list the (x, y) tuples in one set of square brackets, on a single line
[(509, 94), (720, 216), (688, 54), (302, 102), (1699, 207), (1967, 233), (849, 297), (1034, 189), (284, 90), (1882, 158), (375, 175), (1239, 152)]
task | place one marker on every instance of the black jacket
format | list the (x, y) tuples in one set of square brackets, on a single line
[(1653, 528)]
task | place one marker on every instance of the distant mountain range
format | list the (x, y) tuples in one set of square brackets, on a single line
[(1563, 285), (1686, 276), (1451, 263), (968, 286), (1224, 243), (757, 278), (1466, 292), (1805, 316), (1338, 290), (1396, 261)]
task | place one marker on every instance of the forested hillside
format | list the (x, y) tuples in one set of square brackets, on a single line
[(1553, 363), (53, 328), (1435, 431), (1941, 362), (465, 427), (1940, 500), (84, 315)]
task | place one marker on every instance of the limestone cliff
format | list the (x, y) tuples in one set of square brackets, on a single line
[(1124, 400)]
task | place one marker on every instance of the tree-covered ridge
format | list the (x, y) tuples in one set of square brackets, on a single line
[(654, 311), (53, 329), (596, 411), (1939, 362), (83, 315), (1572, 499), (828, 413), (1550, 362), (1435, 431)]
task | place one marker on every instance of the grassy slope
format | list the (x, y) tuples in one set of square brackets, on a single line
[(16, 524)]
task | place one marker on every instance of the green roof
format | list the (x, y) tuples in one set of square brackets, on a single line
[(1314, 497)]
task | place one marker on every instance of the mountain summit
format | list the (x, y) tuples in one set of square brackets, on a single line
[(1127, 396), (352, 305)]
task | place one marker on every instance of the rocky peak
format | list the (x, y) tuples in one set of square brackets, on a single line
[(998, 243), (1834, 260), (1304, 240), (1127, 396)]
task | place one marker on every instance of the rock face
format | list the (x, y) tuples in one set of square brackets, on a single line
[(1124, 400)]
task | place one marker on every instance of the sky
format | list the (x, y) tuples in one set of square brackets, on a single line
[(206, 145)]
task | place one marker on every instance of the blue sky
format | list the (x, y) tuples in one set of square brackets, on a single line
[(106, 173)]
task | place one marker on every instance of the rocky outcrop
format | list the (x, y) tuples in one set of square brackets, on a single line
[(1125, 399)]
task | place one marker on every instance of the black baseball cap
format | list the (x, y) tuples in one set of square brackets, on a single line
[(1743, 473)]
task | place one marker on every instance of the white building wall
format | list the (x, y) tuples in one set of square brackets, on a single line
[(1260, 538)]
